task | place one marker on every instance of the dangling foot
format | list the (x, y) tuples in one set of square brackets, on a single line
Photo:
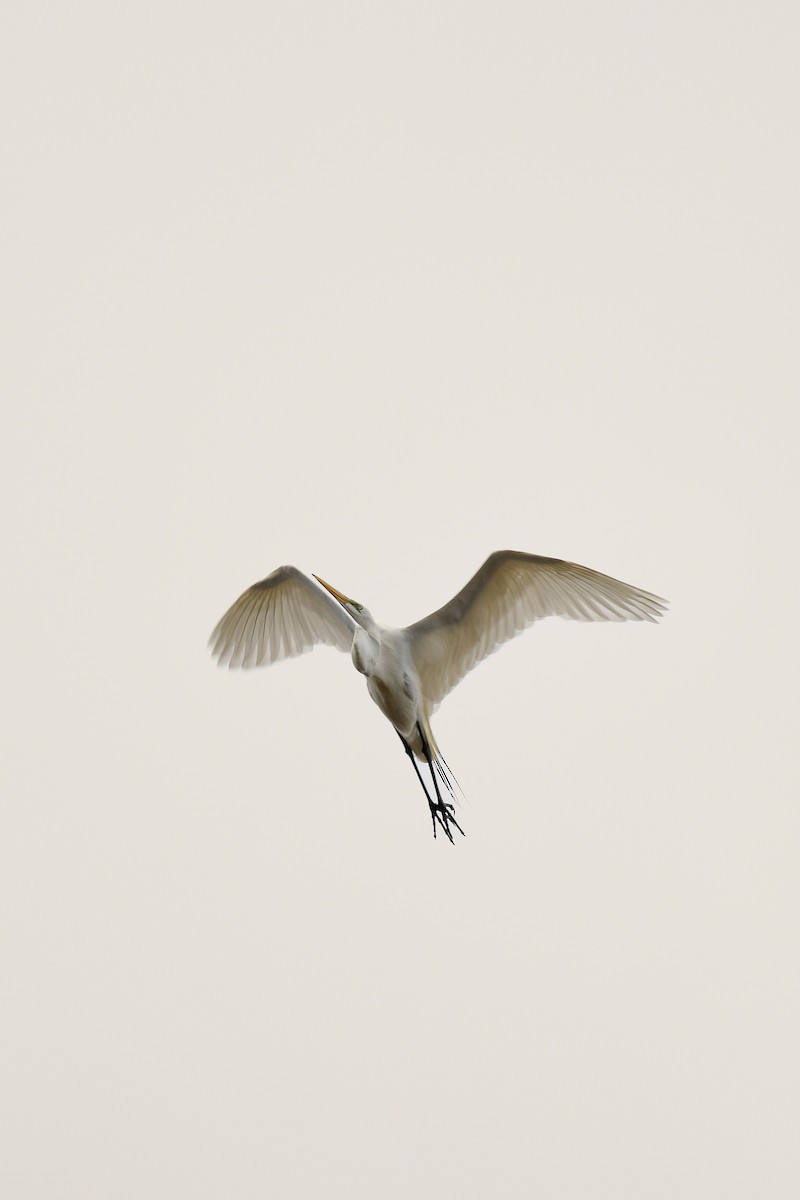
[(440, 811), (445, 815)]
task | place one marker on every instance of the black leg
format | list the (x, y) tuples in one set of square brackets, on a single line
[(439, 812), (446, 811), (410, 754)]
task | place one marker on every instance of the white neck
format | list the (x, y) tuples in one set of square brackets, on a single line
[(365, 651)]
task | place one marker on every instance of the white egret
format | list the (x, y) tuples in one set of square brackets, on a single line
[(410, 671)]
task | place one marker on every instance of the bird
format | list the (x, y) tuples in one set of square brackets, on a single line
[(410, 671)]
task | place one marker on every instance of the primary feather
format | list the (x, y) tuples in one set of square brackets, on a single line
[(282, 616), (509, 592)]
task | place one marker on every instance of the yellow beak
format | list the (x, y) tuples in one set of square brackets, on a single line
[(330, 588)]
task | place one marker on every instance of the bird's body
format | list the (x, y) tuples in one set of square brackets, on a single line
[(384, 660), (410, 671)]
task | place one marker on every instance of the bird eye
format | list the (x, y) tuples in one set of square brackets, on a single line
[(358, 607)]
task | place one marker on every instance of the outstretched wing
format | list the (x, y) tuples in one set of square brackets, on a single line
[(509, 593), (283, 615)]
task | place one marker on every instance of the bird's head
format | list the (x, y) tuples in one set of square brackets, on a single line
[(358, 612)]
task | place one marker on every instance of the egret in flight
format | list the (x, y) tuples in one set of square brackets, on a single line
[(410, 671)]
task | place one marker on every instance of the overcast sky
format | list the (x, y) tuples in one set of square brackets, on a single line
[(376, 289)]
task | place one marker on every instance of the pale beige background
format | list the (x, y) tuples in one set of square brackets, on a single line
[(376, 289)]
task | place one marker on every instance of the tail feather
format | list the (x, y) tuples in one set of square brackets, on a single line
[(448, 779)]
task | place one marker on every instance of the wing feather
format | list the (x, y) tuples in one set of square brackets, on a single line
[(509, 592), (282, 616)]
